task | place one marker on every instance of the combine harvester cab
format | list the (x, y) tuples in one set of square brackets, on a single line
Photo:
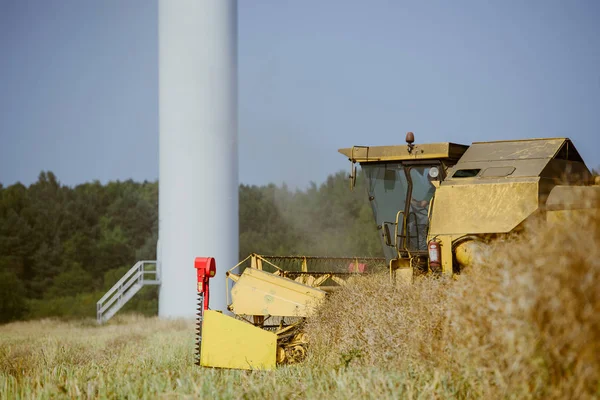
[(269, 298), (438, 205)]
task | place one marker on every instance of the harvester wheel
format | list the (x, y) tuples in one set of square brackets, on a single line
[(280, 355), (296, 354)]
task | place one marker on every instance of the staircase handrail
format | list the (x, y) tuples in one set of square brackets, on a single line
[(127, 275), (124, 284), (103, 307)]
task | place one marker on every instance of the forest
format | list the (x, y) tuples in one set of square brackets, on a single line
[(62, 247)]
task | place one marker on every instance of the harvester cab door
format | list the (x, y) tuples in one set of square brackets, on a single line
[(421, 194), (400, 194), (387, 187)]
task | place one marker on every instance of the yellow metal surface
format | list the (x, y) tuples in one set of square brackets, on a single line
[(261, 293), (470, 253), (543, 148), (308, 270), (491, 169), (482, 208), (397, 153), (447, 259), (230, 343), (553, 159)]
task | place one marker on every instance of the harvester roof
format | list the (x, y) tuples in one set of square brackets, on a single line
[(517, 158), (520, 150), (364, 154)]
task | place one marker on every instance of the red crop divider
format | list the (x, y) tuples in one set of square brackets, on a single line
[(206, 268)]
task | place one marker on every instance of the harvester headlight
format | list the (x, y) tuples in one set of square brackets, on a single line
[(434, 172)]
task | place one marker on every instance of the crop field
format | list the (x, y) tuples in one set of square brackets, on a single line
[(148, 358), (526, 324)]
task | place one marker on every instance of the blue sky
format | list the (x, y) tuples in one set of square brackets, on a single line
[(78, 82)]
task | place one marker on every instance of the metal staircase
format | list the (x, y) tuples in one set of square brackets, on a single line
[(141, 274)]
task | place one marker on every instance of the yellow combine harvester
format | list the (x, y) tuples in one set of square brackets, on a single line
[(436, 206)]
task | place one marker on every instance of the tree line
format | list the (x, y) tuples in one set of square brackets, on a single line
[(62, 247)]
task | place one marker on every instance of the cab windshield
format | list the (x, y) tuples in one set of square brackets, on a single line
[(394, 188)]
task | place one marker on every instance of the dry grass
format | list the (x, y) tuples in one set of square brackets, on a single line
[(524, 325), (147, 358)]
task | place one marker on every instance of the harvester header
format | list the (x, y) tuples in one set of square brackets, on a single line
[(270, 298)]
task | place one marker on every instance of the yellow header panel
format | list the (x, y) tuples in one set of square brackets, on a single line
[(261, 293), (230, 343), (401, 152)]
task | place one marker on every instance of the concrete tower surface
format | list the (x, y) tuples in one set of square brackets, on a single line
[(198, 180)]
